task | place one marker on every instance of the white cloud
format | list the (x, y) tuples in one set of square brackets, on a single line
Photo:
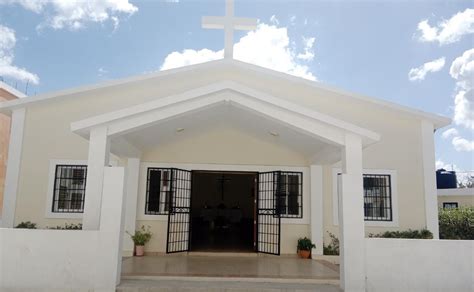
[(308, 54), (292, 19), (462, 70), (463, 145), (76, 14), (419, 73), (441, 164), (7, 69), (450, 133), (101, 72), (274, 20), (448, 31), (267, 46)]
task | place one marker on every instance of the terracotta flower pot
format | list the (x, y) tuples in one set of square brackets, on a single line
[(305, 254), (139, 250)]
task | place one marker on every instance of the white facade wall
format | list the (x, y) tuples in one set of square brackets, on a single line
[(399, 149), (419, 265), (67, 260)]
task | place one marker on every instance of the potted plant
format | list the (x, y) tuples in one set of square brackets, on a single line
[(304, 247), (140, 238)]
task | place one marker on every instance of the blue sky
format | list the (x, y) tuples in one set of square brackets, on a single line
[(368, 47)]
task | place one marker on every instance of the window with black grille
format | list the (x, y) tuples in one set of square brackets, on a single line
[(158, 191), (69, 188), (290, 196), (377, 197), (450, 205)]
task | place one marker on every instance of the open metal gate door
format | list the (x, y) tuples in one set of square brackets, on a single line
[(268, 215), (179, 211)]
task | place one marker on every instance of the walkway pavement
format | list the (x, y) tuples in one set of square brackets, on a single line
[(234, 266)]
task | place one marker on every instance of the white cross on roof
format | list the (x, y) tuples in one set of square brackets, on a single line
[(229, 23)]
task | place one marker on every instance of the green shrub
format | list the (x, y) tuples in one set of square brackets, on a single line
[(456, 223), (418, 234), (66, 226), (305, 244), (141, 236), (26, 225), (333, 247)]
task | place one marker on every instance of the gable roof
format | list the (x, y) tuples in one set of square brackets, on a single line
[(438, 120), (251, 99)]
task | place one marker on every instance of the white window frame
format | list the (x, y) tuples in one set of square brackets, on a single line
[(50, 193), (394, 194)]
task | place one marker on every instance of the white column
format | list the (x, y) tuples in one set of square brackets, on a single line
[(317, 208), (351, 217), (12, 176), (111, 227), (429, 177), (99, 151), (131, 192)]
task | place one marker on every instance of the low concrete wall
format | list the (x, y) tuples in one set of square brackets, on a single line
[(419, 265), (67, 260)]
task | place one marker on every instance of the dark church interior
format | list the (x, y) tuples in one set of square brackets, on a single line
[(222, 211)]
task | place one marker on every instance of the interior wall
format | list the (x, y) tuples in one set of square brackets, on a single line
[(238, 192)]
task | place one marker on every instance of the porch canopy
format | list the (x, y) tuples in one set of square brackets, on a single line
[(321, 137)]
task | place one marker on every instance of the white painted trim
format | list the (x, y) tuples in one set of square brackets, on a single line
[(12, 177), (429, 177), (223, 167), (50, 192), (316, 216), (456, 192), (395, 208), (438, 120)]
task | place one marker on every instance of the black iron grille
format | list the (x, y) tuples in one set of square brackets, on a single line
[(69, 188), (377, 197), (290, 196), (158, 191), (268, 216)]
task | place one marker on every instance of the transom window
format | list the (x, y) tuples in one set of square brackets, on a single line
[(69, 188), (450, 205), (290, 199), (158, 191), (377, 197)]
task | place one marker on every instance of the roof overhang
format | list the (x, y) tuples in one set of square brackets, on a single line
[(318, 125)]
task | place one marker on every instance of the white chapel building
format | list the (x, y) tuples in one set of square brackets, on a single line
[(259, 155)]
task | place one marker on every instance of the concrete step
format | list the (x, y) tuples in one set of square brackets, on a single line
[(221, 284)]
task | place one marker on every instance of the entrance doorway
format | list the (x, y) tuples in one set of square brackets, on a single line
[(223, 211)]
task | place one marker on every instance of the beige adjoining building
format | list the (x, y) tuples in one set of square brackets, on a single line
[(7, 93), (454, 198)]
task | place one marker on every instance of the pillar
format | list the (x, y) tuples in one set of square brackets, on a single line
[(429, 177), (131, 193), (351, 217), (317, 208), (99, 151), (12, 176)]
